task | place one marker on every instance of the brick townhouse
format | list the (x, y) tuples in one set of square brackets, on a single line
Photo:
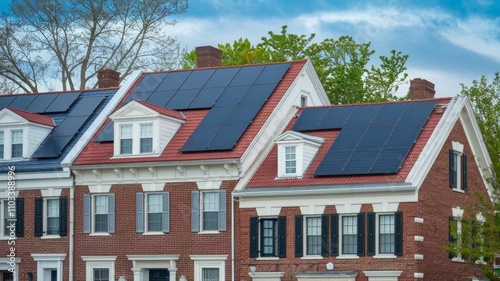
[(365, 192), (154, 184), (40, 135)]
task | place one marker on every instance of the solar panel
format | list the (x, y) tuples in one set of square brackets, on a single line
[(52, 147), (362, 115), (143, 96), (390, 113), (173, 81), (272, 74), (375, 137), (197, 79), (206, 98), (242, 115), (69, 126), (417, 113), (333, 163), (349, 138), (389, 161), (226, 138), (161, 98), (41, 102), (22, 101), (222, 77), (216, 117), (150, 82), (5, 101), (62, 102), (107, 134), (247, 75), (360, 162), (182, 99), (86, 106), (403, 135), (335, 118), (232, 96), (310, 118), (200, 140), (257, 94)]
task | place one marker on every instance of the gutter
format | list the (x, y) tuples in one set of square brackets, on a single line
[(71, 231), (157, 164)]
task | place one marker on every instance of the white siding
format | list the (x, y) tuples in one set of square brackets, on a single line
[(167, 129), (35, 137)]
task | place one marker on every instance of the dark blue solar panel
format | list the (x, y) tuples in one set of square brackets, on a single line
[(226, 138), (375, 137), (348, 138), (52, 147), (62, 102), (206, 98), (232, 96), (197, 79), (310, 118), (272, 74), (417, 112), (86, 106), (360, 162), (173, 81), (222, 77), (5, 101), (200, 140), (390, 113), (362, 115), (247, 75), (258, 94), (22, 101), (107, 134), (143, 96), (403, 135), (69, 126), (161, 98), (389, 161), (150, 82), (182, 99), (216, 117), (241, 116), (335, 118), (333, 163), (41, 102)]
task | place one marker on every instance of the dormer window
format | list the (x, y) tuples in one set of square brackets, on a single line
[(295, 152), (1, 145), (137, 129), (17, 144)]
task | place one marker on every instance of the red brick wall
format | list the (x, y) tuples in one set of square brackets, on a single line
[(126, 241), (29, 244)]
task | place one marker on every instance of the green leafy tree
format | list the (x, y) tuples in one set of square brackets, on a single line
[(342, 65)]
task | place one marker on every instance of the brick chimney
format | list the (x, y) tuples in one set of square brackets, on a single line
[(421, 89), (208, 56), (108, 78)]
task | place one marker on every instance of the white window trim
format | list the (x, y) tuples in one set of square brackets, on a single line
[(7, 143), (304, 224), (259, 245), (209, 261), (145, 204), (136, 139), (92, 262), (295, 147), (202, 230), (5, 265), (48, 262), (3, 216), (45, 217), (458, 213), (92, 216), (378, 255), (341, 245), (458, 149), (385, 275)]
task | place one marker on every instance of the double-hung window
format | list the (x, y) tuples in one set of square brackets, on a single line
[(349, 235), (385, 234), (101, 274), (126, 139), (2, 145), (268, 237), (290, 160), (208, 212), (99, 213), (153, 212), (5, 215), (17, 143), (51, 216), (146, 138), (311, 235), (458, 170), (455, 238)]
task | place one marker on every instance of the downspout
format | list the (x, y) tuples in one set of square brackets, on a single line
[(232, 236), (71, 228)]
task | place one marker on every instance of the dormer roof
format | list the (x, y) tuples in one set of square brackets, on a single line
[(138, 108), (33, 117)]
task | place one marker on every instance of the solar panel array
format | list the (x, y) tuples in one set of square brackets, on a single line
[(373, 139), (40, 103), (233, 95)]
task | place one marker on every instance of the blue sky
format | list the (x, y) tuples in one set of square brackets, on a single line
[(448, 42)]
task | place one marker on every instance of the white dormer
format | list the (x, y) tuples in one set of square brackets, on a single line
[(143, 129), (295, 152), (21, 133)]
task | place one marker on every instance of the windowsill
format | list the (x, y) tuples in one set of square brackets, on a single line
[(312, 258), (267, 258), (153, 233), (209, 232), (457, 260), (458, 190), (100, 234), (348, 257), (6, 238), (384, 256), (50, 236), (135, 155)]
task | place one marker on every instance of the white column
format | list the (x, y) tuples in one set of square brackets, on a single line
[(137, 274)]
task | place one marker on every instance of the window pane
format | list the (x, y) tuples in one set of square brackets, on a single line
[(101, 204), (126, 146), (52, 216), (1, 145), (210, 274), (313, 226), (126, 132), (146, 145), (101, 223), (17, 144), (17, 136), (146, 130), (290, 160), (5, 214), (386, 234), (101, 274), (154, 210), (210, 211), (349, 234), (101, 213), (269, 237)]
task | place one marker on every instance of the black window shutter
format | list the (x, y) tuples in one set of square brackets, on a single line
[(452, 228), (254, 237), (361, 234), (334, 234), (464, 172), (324, 235), (63, 216), (39, 216), (282, 237), (371, 234), (299, 244), (398, 239), (452, 168), (20, 217)]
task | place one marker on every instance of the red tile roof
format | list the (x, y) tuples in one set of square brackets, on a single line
[(267, 172), (96, 153), (34, 117)]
